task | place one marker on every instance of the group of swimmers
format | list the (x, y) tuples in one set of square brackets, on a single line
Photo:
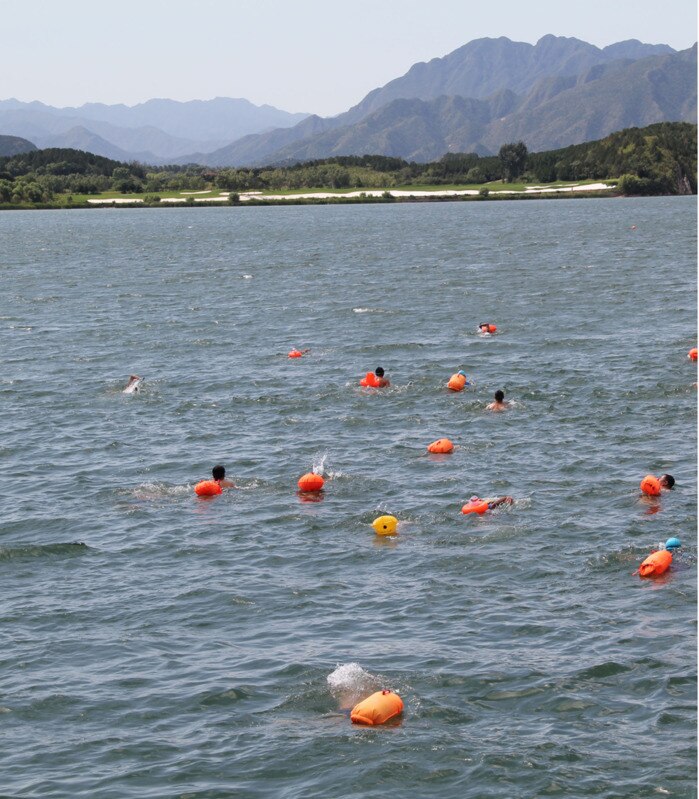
[(378, 379), (375, 379)]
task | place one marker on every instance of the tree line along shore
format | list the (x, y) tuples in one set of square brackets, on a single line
[(660, 159)]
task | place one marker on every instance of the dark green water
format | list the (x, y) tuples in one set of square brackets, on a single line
[(156, 645)]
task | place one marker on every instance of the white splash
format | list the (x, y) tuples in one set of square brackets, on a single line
[(349, 684)]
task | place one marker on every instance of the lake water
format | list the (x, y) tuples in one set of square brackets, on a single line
[(158, 645)]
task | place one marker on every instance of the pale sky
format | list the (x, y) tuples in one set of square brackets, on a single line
[(318, 56)]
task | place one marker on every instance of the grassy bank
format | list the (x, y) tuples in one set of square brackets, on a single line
[(495, 190)]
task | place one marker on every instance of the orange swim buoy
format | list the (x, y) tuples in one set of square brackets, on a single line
[(655, 564), (650, 485), (442, 446), (475, 505), (377, 708), (207, 488), (311, 482), (295, 354), (457, 382), (369, 381), (692, 354), (492, 329)]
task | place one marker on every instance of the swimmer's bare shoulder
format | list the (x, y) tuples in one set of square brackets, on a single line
[(493, 503)]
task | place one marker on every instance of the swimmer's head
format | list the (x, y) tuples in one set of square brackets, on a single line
[(379, 371), (474, 499), (218, 472), (499, 396), (666, 481)]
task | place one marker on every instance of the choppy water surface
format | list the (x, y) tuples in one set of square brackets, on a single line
[(157, 645)]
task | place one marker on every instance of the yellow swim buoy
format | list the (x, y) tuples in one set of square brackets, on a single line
[(385, 525)]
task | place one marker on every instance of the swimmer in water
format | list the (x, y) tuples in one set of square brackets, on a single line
[(667, 481), (492, 502), (496, 501), (132, 386), (499, 404), (219, 475), (381, 381)]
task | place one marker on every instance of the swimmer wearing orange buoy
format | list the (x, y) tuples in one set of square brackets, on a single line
[(297, 353), (486, 329), (442, 446), (311, 483), (692, 354), (651, 485), (375, 379), (211, 488), (458, 381), (377, 709), (480, 506)]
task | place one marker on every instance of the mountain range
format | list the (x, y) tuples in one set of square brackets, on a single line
[(538, 97), (558, 92), (155, 132)]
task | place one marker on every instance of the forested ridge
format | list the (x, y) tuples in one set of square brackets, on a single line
[(658, 159)]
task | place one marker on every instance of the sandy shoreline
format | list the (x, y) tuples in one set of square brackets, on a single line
[(256, 195)]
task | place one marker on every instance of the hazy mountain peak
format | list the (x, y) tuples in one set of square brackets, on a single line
[(551, 94)]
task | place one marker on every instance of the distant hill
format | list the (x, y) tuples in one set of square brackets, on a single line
[(605, 99), (557, 111), (14, 145), (484, 67), (80, 138), (62, 161), (165, 129)]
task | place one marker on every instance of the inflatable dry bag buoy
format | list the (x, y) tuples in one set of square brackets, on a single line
[(369, 381), (207, 488), (295, 354), (692, 354), (385, 525), (377, 708), (655, 564), (650, 485), (475, 505), (457, 382), (441, 447), (492, 329), (311, 482)]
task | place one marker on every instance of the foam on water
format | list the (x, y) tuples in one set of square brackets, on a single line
[(350, 683)]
